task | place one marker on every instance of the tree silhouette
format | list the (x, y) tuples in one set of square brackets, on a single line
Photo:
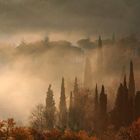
[(37, 118), (137, 105), (131, 82), (62, 108), (50, 109), (102, 110), (96, 109), (131, 94), (71, 113), (96, 100)]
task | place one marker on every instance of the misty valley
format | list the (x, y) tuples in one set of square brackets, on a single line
[(60, 90)]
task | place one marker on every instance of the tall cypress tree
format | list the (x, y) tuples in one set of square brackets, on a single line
[(96, 100), (102, 110), (100, 62), (125, 103), (71, 113), (96, 110), (76, 105), (103, 102), (62, 108), (75, 91), (50, 109), (131, 82), (131, 94), (100, 42), (119, 108), (137, 105)]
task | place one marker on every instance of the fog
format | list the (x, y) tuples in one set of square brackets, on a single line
[(25, 77), (27, 70)]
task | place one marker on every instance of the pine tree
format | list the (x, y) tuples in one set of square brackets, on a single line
[(50, 109), (62, 108)]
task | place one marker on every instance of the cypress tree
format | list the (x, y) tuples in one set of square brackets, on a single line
[(50, 109), (76, 105), (75, 92), (100, 62), (137, 105), (131, 82), (102, 110), (62, 108), (131, 92), (125, 103), (100, 42), (103, 102), (96, 110), (71, 125), (96, 102), (119, 107), (76, 89)]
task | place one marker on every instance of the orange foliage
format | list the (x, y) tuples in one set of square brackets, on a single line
[(8, 130), (53, 134), (66, 135), (21, 133), (84, 136), (132, 132), (135, 130)]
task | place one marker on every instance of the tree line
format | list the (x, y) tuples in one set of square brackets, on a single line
[(87, 109)]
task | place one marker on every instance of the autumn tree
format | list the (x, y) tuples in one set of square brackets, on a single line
[(130, 133), (37, 118)]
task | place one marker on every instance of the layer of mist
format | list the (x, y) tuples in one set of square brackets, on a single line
[(27, 70)]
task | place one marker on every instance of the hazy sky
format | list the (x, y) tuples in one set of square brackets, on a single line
[(70, 17)]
